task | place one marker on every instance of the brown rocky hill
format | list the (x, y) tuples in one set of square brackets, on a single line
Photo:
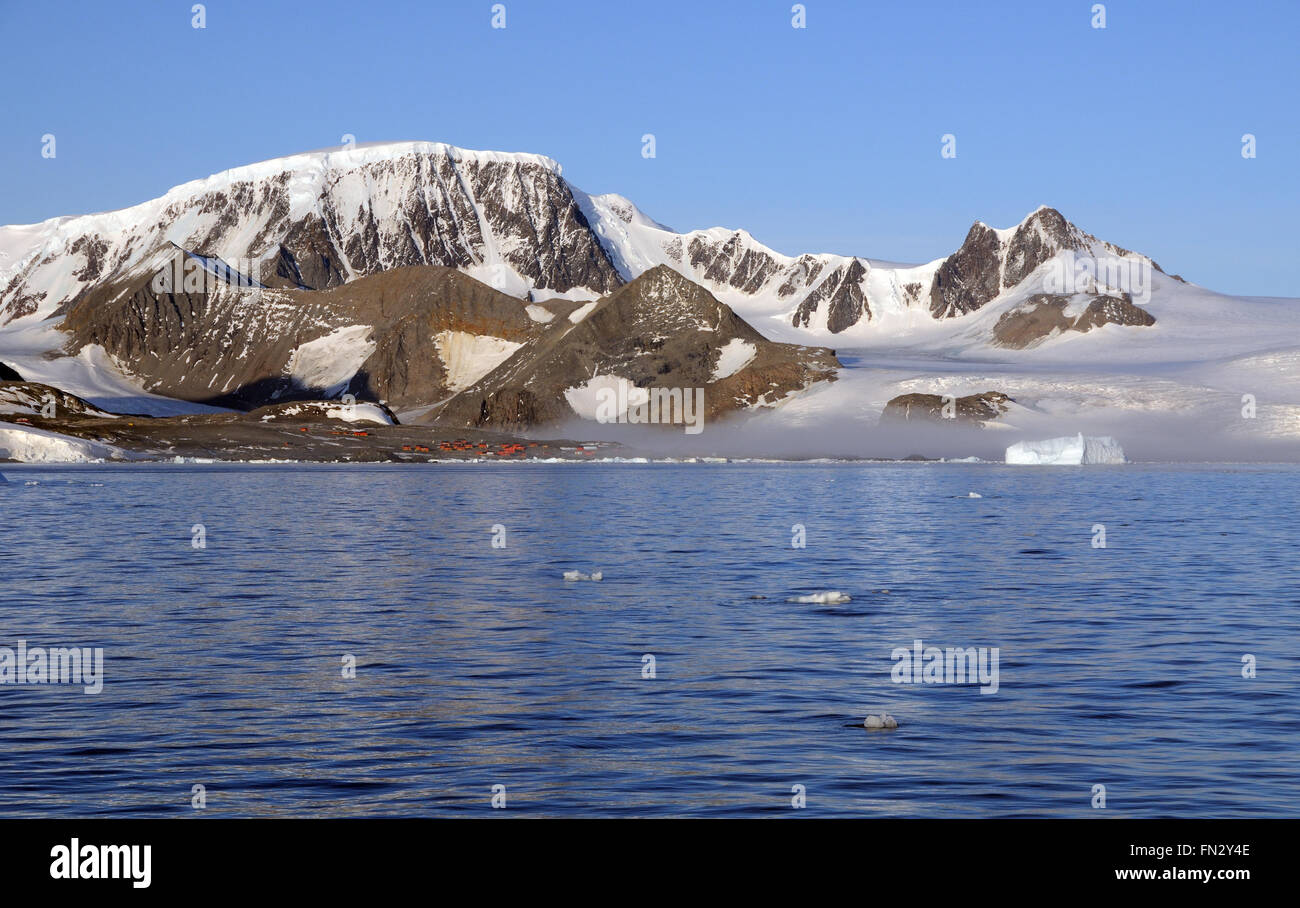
[(376, 337), (431, 339), (659, 331)]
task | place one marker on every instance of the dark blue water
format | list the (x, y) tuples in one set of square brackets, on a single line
[(479, 666)]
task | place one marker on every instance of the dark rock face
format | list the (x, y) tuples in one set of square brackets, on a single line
[(8, 374), (733, 263), (1043, 235), (985, 265), (306, 258), (1044, 314), (659, 331), (843, 296), (974, 409), (804, 274), (968, 278)]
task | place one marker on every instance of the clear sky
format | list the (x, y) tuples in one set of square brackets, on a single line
[(821, 139)]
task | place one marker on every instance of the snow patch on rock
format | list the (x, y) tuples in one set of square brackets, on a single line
[(468, 357), (328, 363), (735, 355), (585, 399), (581, 312)]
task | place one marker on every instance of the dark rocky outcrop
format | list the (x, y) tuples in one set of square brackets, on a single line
[(968, 278), (36, 399), (1044, 314), (988, 264), (842, 293), (8, 374), (974, 409)]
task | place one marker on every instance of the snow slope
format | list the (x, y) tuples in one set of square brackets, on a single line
[(29, 445)]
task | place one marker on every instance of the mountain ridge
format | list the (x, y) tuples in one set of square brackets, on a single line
[(510, 219)]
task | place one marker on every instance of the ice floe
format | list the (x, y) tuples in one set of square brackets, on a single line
[(1070, 450), (829, 597)]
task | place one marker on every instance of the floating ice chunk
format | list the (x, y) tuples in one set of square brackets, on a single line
[(884, 720), (830, 597), (596, 576), (1070, 450)]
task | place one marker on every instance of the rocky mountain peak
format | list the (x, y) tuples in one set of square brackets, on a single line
[(990, 261)]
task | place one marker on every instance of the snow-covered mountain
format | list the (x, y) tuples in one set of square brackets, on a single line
[(1066, 323), (321, 219)]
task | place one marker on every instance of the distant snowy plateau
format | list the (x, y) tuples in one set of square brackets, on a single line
[(468, 288)]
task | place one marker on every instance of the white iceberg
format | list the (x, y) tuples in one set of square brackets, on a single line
[(1070, 450), (829, 597)]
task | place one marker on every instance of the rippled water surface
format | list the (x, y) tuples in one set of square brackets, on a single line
[(479, 666)]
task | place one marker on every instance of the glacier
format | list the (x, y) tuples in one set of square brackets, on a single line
[(1069, 451)]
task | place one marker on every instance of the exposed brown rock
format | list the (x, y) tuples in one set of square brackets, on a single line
[(232, 346), (659, 331), (974, 409), (1044, 314)]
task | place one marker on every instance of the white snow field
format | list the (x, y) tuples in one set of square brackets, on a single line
[(1067, 451), (29, 445)]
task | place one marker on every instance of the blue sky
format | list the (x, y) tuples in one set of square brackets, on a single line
[(823, 139)]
